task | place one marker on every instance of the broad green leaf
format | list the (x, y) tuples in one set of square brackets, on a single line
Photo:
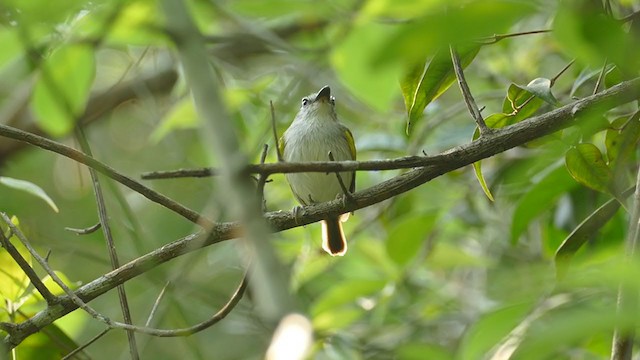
[(541, 197), (583, 232), (586, 166), (422, 86), (541, 88), (520, 104), (621, 139), (477, 168), (407, 236), (492, 327), (62, 89), (28, 187), (36, 12), (351, 59), (13, 280)]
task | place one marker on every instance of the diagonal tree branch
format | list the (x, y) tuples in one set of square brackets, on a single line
[(490, 145)]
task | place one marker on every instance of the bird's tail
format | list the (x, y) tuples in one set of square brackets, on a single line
[(333, 240)]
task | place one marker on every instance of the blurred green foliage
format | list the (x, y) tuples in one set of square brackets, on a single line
[(440, 272)]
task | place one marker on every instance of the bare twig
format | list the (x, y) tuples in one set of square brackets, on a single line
[(275, 131), (495, 38), (111, 246), (90, 230), (466, 93), (557, 76), (27, 269), (600, 77), (346, 191), (85, 345), (156, 303)]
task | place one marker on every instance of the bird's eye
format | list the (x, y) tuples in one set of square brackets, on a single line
[(305, 101), (333, 100)]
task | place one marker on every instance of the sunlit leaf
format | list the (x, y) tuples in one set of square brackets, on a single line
[(520, 104), (477, 168), (422, 86), (407, 236), (30, 188), (62, 90), (586, 166), (13, 280), (541, 88)]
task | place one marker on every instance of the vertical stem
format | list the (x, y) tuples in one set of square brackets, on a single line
[(268, 279), (622, 347), (466, 92)]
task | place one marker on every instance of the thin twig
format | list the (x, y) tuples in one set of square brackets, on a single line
[(111, 246), (346, 191), (43, 263), (565, 68), (466, 93), (262, 178), (90, 230), (275, 131), (600, 77), (156, 304), (495, 38), (85, 345), (27, 269)]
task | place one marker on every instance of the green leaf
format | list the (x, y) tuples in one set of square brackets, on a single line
[(13, 280), (586, 166), (28, 187), (407, 236), (520, 103), (541, 197), (422, 86), (621, 139), (485, 333), (541, 87), (583, 232), (477, 168), (62, 90)]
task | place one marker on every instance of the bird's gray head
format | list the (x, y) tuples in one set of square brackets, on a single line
[(318, 106)]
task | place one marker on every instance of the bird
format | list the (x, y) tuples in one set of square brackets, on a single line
[(316, 134)]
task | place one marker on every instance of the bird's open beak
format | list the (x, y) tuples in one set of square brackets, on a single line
[(324, 94)]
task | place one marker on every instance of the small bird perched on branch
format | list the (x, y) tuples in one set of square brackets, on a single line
[(317, 135)]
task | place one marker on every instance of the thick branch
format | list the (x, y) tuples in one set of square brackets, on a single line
[(495, 143)]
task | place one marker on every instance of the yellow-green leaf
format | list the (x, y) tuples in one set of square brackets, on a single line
[(586, 166), (30, 188)]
